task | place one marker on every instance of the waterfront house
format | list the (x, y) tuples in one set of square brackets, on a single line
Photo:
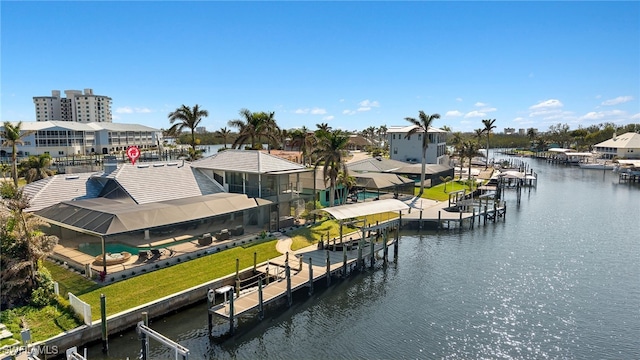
[(625, 146), (409, 148)]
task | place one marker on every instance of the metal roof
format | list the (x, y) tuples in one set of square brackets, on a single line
[(366, 208), (380, 180), (102, 216), (373, 164), (625, 141), (247, 161)]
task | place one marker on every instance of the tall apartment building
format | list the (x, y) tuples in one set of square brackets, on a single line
[(76, 106)]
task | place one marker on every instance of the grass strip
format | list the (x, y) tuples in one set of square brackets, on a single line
[(144, 288), (44, 322), (68, 281)]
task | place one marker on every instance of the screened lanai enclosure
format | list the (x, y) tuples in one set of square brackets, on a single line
[(85, 220)]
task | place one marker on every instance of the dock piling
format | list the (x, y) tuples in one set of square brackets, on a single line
[(287, 270), (328, 269), (310, 277), (103, 317), (344, 261), (260, 300)]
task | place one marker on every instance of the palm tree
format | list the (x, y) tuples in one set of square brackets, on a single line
[(187, 118), (348, 182), (223, 133), (253, 126), (36, 168), (478, 133), (488, 126), (423, 125), (331, 153), (13, 136), (470, 149)]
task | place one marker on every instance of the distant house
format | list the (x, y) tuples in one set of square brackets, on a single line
[(409, 148), (66, 138), (625, 146), (358, 142)]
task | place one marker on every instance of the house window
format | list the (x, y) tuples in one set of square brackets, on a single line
[(394, 136), (395, 151)]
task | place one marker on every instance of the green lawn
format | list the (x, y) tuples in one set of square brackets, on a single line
[(44, 322), (68, 281), (144, 288), (304, 236), (438, 192)]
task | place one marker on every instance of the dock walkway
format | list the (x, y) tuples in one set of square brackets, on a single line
[(300, 275)]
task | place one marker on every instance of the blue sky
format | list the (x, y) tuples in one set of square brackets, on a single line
[(349, 64)]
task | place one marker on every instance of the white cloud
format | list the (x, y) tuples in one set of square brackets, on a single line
[(458, 99), (636, 117), (368, 104), (364, 108), (348, 112), (314, 111), (130, 110), (597, 115), (480, 104), (488, 109), (124, 110), (598, 96), (618, 100), (547, 104), (474, 114), (453, 113), (328, 118)]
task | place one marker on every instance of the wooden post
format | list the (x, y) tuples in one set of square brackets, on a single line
[(373, 258), (310, 277), (485, 215), (260, 300), (344, 261), (385, 253), (255, 261), (231, 310), (439, 220), (473, 217), (420, 226), (287, 271), (340, 224), (360, 243), (210, 303), (395, 244), (103, 317), (267, 271), (460, 220), (143, 337), (495, 214), (328, 269), (400, 220)]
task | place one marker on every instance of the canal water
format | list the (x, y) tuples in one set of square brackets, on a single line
[(559, 278)]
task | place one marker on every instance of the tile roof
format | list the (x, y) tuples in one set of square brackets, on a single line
[(58, 188), (247, 161), (154, 182)]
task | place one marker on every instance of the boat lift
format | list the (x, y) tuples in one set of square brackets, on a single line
[(146, 332)]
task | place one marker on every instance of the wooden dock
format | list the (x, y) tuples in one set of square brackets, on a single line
[(305, 268)]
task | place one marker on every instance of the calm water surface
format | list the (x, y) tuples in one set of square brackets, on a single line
[(560, 278)]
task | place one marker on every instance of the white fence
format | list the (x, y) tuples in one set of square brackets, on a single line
[(82, 308)]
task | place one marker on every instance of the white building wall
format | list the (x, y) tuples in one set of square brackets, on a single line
[(58, 139), (410, 149), (76, 106)]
